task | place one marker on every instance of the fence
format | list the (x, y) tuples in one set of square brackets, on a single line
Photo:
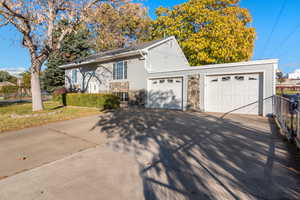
[(288, 116)]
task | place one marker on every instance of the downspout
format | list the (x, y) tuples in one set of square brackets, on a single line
[(144, 54)]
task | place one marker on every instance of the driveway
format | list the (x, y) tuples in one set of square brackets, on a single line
[(155, 154)]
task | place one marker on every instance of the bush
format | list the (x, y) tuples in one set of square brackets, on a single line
[(102, 101)]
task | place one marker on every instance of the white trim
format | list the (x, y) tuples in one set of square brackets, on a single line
[(149, 81), (159, 43), (115, 64), (232, 73), (164, 76), (275, 67), (229, 73), (102, 59), (226, 65)]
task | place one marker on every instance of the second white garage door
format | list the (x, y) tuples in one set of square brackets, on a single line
[(165, 93), (232, 93)]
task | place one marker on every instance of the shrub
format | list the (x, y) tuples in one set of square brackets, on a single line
[(102, 101), (59, 95)]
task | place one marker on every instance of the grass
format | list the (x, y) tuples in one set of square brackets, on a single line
[(26, 118)]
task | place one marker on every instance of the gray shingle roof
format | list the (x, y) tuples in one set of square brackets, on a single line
[(117, 51)]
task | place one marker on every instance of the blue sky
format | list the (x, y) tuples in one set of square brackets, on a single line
[(264, 15)]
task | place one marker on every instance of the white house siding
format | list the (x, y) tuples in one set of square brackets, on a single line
[(166, 56)]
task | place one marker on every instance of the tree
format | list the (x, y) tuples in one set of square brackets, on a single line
[(26, 80), (209, 31), (5, 76), (76, 45), (118, 26), (280, 77), (37, 21)]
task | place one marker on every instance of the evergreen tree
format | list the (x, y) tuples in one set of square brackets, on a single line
[(76, 45)]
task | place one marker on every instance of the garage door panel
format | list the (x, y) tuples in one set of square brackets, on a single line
[(232, 93), (165, 93)]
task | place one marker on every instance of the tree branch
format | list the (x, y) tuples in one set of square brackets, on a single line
[(51, 14), (5, 23), (62, 36)]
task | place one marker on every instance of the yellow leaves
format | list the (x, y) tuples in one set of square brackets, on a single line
[(209, 31)]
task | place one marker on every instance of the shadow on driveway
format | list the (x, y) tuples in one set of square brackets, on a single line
[(201, 156)]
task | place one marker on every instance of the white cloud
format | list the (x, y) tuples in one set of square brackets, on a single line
[(17, 71)]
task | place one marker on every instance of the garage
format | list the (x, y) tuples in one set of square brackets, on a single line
[(165, 93), (233, 93)]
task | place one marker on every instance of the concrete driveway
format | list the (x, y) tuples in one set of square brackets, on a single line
[(153, 154)]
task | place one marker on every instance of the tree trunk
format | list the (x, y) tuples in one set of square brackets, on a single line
[(37, 103)]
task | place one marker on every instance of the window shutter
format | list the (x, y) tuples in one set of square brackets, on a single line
[(125, 69), (76, 75)]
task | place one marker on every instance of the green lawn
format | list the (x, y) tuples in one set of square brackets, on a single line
[(18, 116)]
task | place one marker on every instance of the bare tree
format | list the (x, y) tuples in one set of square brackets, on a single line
[(37, 21)]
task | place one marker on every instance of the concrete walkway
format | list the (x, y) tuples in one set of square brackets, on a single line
[(65, 160), (149, 154), (29, 148)]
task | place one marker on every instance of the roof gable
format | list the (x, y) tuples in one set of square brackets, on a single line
[(133, 49)]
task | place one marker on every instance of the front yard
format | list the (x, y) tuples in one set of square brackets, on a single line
[(18, 116)]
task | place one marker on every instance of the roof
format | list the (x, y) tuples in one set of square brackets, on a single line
[(224, 65), (134, 49), (6, 83), (289, 82)]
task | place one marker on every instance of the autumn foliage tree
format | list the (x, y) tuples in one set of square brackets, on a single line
[(209, 31), (118, 25), (38, 22)]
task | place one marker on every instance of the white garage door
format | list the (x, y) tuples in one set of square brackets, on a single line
[(165, 93), (232, 93)]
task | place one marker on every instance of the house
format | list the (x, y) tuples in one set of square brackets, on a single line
[(6, 83), (157, 74), (295, 74), (288, 84)]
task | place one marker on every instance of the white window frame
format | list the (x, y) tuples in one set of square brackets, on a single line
[(124, 70), (74, 73)]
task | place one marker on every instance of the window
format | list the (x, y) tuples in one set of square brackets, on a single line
[(154, 82), (214, 80), (170, 80), (120, 70), (226, 78), (122, 95), (74, 76), (252, 78), (239, 78), (161, 81)]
